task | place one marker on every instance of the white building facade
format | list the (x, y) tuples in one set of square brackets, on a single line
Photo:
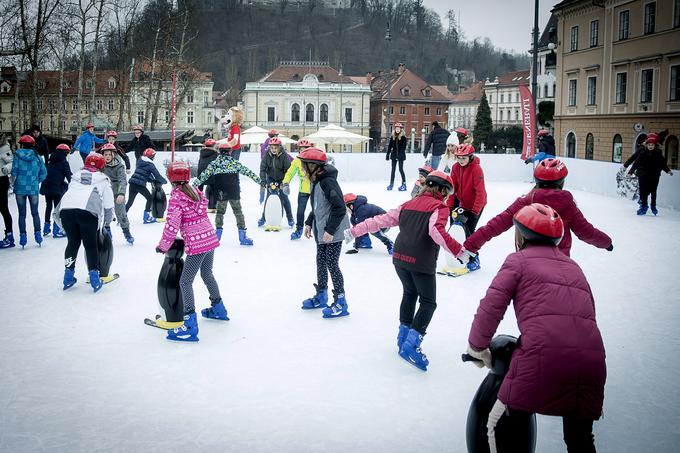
[(504, 100)]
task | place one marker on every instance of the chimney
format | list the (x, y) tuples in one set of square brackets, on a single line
[(402, 68), (369, 78)]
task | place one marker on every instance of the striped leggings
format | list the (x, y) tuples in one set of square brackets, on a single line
[(192, 264)]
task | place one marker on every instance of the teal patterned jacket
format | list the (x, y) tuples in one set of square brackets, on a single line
[(225, 164)]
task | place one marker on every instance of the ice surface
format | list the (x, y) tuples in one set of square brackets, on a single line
[(82, 373)]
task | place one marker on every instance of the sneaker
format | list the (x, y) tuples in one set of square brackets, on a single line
[(187, 331)]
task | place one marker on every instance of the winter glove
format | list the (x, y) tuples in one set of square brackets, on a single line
[(285, 188), (610, 248), (262, 194), (527, 161), (158, 250), (484, 356), (348, 236)]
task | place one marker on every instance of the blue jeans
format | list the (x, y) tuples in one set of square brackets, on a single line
[(434, 162), (21, 204)]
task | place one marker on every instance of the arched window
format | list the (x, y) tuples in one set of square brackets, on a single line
[(571, 144), (590, 145), (323, 113), (617, 149), (295, 113), (545, 91), (309, 113), (671, 149)]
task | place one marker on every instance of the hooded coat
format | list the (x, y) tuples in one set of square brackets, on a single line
[(115, 170), (29, 171), (58, 175), (363, 210), (396, 149), (145, 172), (89, 191), (468, 186)]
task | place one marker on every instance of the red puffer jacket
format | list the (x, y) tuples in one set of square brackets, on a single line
[(558, 367), (560, 200), (468, 186)]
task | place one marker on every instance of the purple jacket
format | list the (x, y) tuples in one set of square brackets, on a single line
[(559, 365), (190, 219)]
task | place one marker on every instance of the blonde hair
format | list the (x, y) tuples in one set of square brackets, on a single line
[(188, 190), (236, 115)]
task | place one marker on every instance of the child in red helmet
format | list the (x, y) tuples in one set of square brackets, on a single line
[(422, 174), (396, 152), (549, 175), (273, 168), (648, 162), (559, 365), (145, 172), (54, 185), (188, 216), (115, 170), (28, 171), (359, 210), (546, 147), (422, 230), (111, 137)]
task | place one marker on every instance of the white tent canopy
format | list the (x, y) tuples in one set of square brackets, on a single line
[(333, 134), (257, 135)]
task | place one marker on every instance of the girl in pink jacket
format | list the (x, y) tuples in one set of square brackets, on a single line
[(187, 215), (558, 367), (422, 230)]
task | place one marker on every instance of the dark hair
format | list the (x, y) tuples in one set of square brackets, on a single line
[(36, 128), (435, 124), (557, 185)]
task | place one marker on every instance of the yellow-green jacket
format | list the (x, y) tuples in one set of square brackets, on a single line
[(296, 167)]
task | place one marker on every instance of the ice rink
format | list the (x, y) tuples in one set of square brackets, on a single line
[(82, 373)]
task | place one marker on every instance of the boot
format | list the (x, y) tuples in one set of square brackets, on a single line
[(243, 239), (128, 237), (260, 222), (338, 308), (291, 223), (95, 280), (390, 247), (297, 234), (218, 233), (46, 229), (320, 299), (401, 336), (363, 242), (23, 240), (148, 218), (216, 311), (654, 210), (410, 350), (187, 331), (69, 278), (58, 232), (642, 210), (8, 242), (402, 187), (390, 186), (473, 264), (38, 238)]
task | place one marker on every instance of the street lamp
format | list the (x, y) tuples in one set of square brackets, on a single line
[(534, 56), (388, 38), (413, 139), (422, 140)]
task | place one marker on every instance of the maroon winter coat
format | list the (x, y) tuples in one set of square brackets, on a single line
[(468, 186), (560, 200), (558, 367)]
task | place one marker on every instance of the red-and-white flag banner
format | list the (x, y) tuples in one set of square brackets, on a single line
[(528, 121), (174, 115)]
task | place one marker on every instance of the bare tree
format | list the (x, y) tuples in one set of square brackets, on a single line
[(84, 11), (61, 45), (97, 32)]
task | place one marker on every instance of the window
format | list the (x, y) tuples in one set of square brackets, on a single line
[(190, 117), (205, 98), (594, 30), (617, 149), (675, 83), (590, 145), (572, 93), (545, 91), (51, 123), (100, 104), (509, 115), (323, 113), (502, 98), (271, 113), (309, 113), (112, 83), (490, 99), (571, 144), (50, 105), (427, 110), (40, 105), (517, 114), (208, 118), (190, 98), (111, 104), (592, 90), (140, 117), (427, 128), (88, 83), (295, 113), (63, 125), (650, 18), (402, 110), (676, 13), (74, 104), (167, 117), (88, 105), (516, 97), (501, 113), (5, 88), (646, 84), (406, 91), (574, 38), (621, 82), (41, 84), (439, 111), (624, 20), (348, 114), (428, 93), (671, 149)]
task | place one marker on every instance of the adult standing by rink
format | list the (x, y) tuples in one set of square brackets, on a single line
[(41, 145), (87, 141), (648, 162), (396, 152), (437, 141), (140, 142)]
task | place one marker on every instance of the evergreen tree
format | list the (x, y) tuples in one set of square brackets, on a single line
[(483, 124)]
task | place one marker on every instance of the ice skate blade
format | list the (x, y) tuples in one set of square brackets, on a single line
[(312, 307), (339, 315), (408, 360), (191, 338), (71, 285)]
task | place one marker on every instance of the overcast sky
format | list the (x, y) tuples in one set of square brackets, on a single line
[(507, 23)]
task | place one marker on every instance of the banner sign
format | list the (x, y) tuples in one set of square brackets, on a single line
[(528, 122)]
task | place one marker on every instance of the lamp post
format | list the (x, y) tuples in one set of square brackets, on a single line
[(534, 56), (388, 38), (413, 139), (422, 140)]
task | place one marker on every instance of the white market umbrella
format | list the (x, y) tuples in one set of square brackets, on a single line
[(256, 135), (332, 134)]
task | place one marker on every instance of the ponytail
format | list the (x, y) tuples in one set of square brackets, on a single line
[(188, 190)]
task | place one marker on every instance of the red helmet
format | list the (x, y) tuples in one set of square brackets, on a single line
[(89, 125), (399, 125), (64, 147), (461, 131), (652, 138), (209, 142), (539, 222), (304, 143), (149, 152), (109, 146), (439, 178), (111, 134), (273, 132), (465, 149), (425, 170), (138, 127), (94, 162), (27, 139), (275, 141), (349, 198), (543, 132), (550, 170), (179, 172), (313, 155)]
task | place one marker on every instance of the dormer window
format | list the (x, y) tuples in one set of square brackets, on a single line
[(427, 92), (406, 91), (112, 83), (88, 83), (41, 84), (5, 87)]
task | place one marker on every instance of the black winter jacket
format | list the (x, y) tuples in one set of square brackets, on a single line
[(648, 164), (436, 140), (363, 210), (145, 172), (138, 145), (206, 156), (41, 145), (273, 168), (328, 215), (546, 144), (58, 175), (396, 150)]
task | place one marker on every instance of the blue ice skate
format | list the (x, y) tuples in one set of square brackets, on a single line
[(69, 278), (128, 237), (297, 234), (46, 229), (58, 232), (642, 210), (390, 247), (95, 280), (291, 223), (218, 233), (655, 211), (390, 187), (363, 242), (216, 311), (320, 299), (410, 350), (38, 238), (148, 218), (402, 187), (187, 331), (401, 336), (338, 308), (473, 264), (23, 240), (260, 222), (8, 242), (243, 239)]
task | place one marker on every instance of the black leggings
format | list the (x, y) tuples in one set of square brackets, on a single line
[(80, 226), (328, 260), (50, 202), (578, 433), (417, 284), (401, 171), (143, 191), (301, 207), (4, 203), (648, 186)]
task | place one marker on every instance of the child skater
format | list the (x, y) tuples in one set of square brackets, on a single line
[(273, 168), (225, 172), (303, 193), (359, 210), (188, 216), (115, 170), (111, 137), (145, 171), (559, 365), (422, 230), (422, 174), (54, 186), (28, 170), (449, 156), (549, 175), (327, 221), (469, 193), (86, 206)]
